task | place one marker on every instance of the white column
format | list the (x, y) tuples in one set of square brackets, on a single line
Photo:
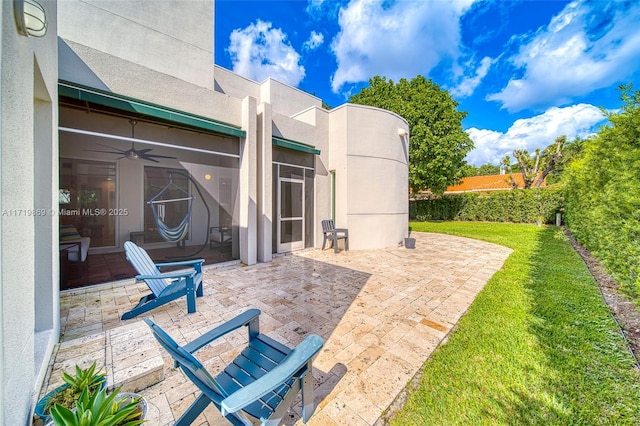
[(248, 184), (265, 184)]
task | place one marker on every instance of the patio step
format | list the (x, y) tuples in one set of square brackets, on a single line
[(132, 358), (129, 354)]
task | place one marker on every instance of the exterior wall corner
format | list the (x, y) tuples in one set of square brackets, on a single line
[(265, 183), (248, 203)]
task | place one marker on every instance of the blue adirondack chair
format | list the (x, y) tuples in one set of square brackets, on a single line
[(261, 383), (165, 287)]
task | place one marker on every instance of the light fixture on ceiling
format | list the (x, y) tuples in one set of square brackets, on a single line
[(30, 17)]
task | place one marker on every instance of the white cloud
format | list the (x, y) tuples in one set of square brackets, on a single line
[(586, 47), (319, 9), (260, 51), (315, 40), (315, 6), (535, 132), (398, 39), (467, 85)]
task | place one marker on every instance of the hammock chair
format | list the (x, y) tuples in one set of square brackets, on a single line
[(157, 204)]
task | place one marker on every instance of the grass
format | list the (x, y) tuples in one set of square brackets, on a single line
[(537, 347)]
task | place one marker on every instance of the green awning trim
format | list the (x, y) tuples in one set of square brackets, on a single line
[(125, 103), (296, 146)]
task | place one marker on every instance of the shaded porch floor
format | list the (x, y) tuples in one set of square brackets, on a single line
[(108, 267), (381, 313)]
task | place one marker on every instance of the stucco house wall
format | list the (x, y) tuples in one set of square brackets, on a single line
[(90, 67), (29, 299), (151, 34), (285, 99), (234, 85), (371, 168)]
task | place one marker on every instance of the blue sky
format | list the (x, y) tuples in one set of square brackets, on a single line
[(524, 71)]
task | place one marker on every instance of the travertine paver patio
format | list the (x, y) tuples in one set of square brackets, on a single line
[(381, 313)]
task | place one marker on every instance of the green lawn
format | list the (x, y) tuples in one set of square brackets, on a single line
[(537, 347)]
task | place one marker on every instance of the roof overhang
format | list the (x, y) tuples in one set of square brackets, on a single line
[(137, 106), (296, 146)]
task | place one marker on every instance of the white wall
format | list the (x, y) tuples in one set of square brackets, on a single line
[(371, 162), (296, 130), (171, 36), (235, 85), (28, 258), (285, 99), (88, 66), (337, 162)]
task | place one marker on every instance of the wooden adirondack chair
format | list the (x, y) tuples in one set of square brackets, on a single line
[(260, 384), (165, 287), (334, 234)]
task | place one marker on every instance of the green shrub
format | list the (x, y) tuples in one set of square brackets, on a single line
[(88, 378), (603, 195), (520, 206), (99, 409)]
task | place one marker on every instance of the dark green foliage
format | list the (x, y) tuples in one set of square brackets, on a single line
[(438, 143), (571, 151), (484, 170), (603, 194), (520, 206)]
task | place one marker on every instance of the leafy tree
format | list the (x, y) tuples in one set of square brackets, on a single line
[(488, 169), (484, 170), (534, 169), (438, 144), (571, 151), (468, 170)]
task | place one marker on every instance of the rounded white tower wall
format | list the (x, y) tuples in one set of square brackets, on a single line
[(377, 159)]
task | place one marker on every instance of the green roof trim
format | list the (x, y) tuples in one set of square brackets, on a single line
[(296, 146), (125, 103)]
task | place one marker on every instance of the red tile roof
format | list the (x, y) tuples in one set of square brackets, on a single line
[(487, 183)]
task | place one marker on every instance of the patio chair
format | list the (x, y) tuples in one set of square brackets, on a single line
[(261, 383), (334, 234), (165, 287)]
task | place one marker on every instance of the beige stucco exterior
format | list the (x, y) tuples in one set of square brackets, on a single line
[(372, 177), (361, 171), (28, 238)]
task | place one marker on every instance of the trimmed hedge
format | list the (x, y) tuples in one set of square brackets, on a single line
[(520, 206), (603, 196)]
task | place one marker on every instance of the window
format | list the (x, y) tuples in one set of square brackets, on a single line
[(86, 197)]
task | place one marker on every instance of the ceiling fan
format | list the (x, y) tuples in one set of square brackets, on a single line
[(132, 153)]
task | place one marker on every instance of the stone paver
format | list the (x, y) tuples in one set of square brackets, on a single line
[(381, 313)]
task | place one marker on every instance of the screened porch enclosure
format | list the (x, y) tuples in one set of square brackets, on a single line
[(110, 170)]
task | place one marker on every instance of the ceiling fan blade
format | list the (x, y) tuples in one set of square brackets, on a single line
[(156, 156), (108, 152), (131, 153), (110, 147)]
